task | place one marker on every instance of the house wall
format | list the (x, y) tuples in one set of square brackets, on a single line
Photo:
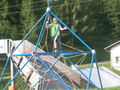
[(5, 48), (115, 56)]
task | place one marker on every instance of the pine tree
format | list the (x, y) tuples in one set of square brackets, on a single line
[(14, 8), (113, 9), (74, 19), (4, 23), (27, 18), (94, 22)]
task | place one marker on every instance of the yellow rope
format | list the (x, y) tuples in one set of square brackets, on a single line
[(71, 47)]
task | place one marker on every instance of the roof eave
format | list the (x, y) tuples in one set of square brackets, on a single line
[(112, 45)]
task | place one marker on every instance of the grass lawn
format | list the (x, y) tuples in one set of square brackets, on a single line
[(6, 79), (113, 88), (7, 75)]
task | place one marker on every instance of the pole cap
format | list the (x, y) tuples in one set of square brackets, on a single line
[(93, 51), (48, 9), (9, 55)]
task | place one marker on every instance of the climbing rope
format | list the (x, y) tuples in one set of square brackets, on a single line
[(71, 47), (81, 60)]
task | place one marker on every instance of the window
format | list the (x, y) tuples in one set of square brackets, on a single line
[(117, 59)]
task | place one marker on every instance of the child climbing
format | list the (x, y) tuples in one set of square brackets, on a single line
[(55, 28)]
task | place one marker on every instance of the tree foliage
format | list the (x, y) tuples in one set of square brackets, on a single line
[(4, 22), (96, 21)]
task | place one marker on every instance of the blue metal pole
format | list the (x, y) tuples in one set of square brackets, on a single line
[(29, 32), (57, 77), (56, 61), (51, 53), (17, 73), (64, 53), (41, 32), (48, 2), (90, 73), (2, 75), (25, 54), (71, 31), (79, 70)]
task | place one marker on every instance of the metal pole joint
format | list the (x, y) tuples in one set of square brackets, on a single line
[(48, 9), (93, 51)]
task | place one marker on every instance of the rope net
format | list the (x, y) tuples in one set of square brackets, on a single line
[(57, 65)]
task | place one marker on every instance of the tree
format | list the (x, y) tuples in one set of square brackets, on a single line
[(27, 18), (94, 22), (14, 9), (4, 23), (113, 9)]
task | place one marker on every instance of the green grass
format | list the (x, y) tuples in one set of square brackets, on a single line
[(6, 77), (112, 88)]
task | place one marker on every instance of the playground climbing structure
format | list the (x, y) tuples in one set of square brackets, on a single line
[(43, 70)]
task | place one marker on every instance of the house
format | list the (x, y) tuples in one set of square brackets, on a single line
[(5, 45), (114, 50)]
